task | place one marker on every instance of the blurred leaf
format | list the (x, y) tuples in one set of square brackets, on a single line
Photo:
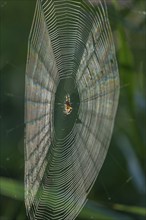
[(95, 211), (11, 188), (92, 210), (130, 209)]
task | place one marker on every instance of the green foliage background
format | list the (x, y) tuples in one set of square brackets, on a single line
[(120, 190)]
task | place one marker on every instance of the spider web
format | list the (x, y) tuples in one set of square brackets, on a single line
[(70, 51)]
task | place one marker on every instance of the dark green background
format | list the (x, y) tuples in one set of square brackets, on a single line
[(122, 178)]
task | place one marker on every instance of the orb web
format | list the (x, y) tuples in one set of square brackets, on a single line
[(70, 54)]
